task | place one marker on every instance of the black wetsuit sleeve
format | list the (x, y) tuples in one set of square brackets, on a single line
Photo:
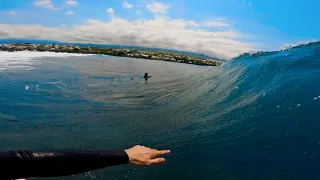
[(26, 164)]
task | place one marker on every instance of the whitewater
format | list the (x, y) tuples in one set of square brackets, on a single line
[(25, 59)]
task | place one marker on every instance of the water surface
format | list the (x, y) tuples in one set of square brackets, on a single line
[(256, 117)]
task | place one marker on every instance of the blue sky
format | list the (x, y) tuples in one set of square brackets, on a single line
[(216, 27)]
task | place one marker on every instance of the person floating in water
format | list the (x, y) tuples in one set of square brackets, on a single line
[(27, 164), (146, 76)]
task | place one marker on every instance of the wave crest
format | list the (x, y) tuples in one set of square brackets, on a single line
[(288, 47)]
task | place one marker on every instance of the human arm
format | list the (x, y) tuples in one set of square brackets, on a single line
[(25, 164)]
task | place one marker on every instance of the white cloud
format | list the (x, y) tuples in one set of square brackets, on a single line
[(72, 2), (45, 3), (160, 32), (70, 13), (192, 24), (127, 5), (110, 11), (216, 23), (13, 13), (157, 7)]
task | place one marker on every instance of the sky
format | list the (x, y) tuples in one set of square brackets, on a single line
[(220, 28)]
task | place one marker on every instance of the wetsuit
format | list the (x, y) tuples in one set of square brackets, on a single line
[(146, 76), (26, 164)]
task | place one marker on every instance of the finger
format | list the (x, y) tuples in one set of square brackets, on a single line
[(154, 151), (157, 161), (163, 152)]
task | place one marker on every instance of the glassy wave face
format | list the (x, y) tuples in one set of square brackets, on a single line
[(255, 117)]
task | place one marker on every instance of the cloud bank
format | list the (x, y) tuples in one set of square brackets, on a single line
[(160, 32), (215, 38)]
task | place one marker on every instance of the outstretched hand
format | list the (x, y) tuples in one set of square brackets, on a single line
[(144, 156)]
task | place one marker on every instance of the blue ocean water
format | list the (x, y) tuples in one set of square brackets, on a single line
[(255, 117)]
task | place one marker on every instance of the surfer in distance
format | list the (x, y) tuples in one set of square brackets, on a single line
[(146, 76)]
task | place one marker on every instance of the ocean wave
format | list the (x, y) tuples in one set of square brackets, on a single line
[(261, 107), (280, 74)]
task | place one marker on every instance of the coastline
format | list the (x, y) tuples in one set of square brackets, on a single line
[(130, 53)]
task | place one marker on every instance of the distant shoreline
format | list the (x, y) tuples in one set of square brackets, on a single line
[(143, 54)]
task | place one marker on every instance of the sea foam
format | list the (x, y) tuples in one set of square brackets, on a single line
[(24, 60)]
